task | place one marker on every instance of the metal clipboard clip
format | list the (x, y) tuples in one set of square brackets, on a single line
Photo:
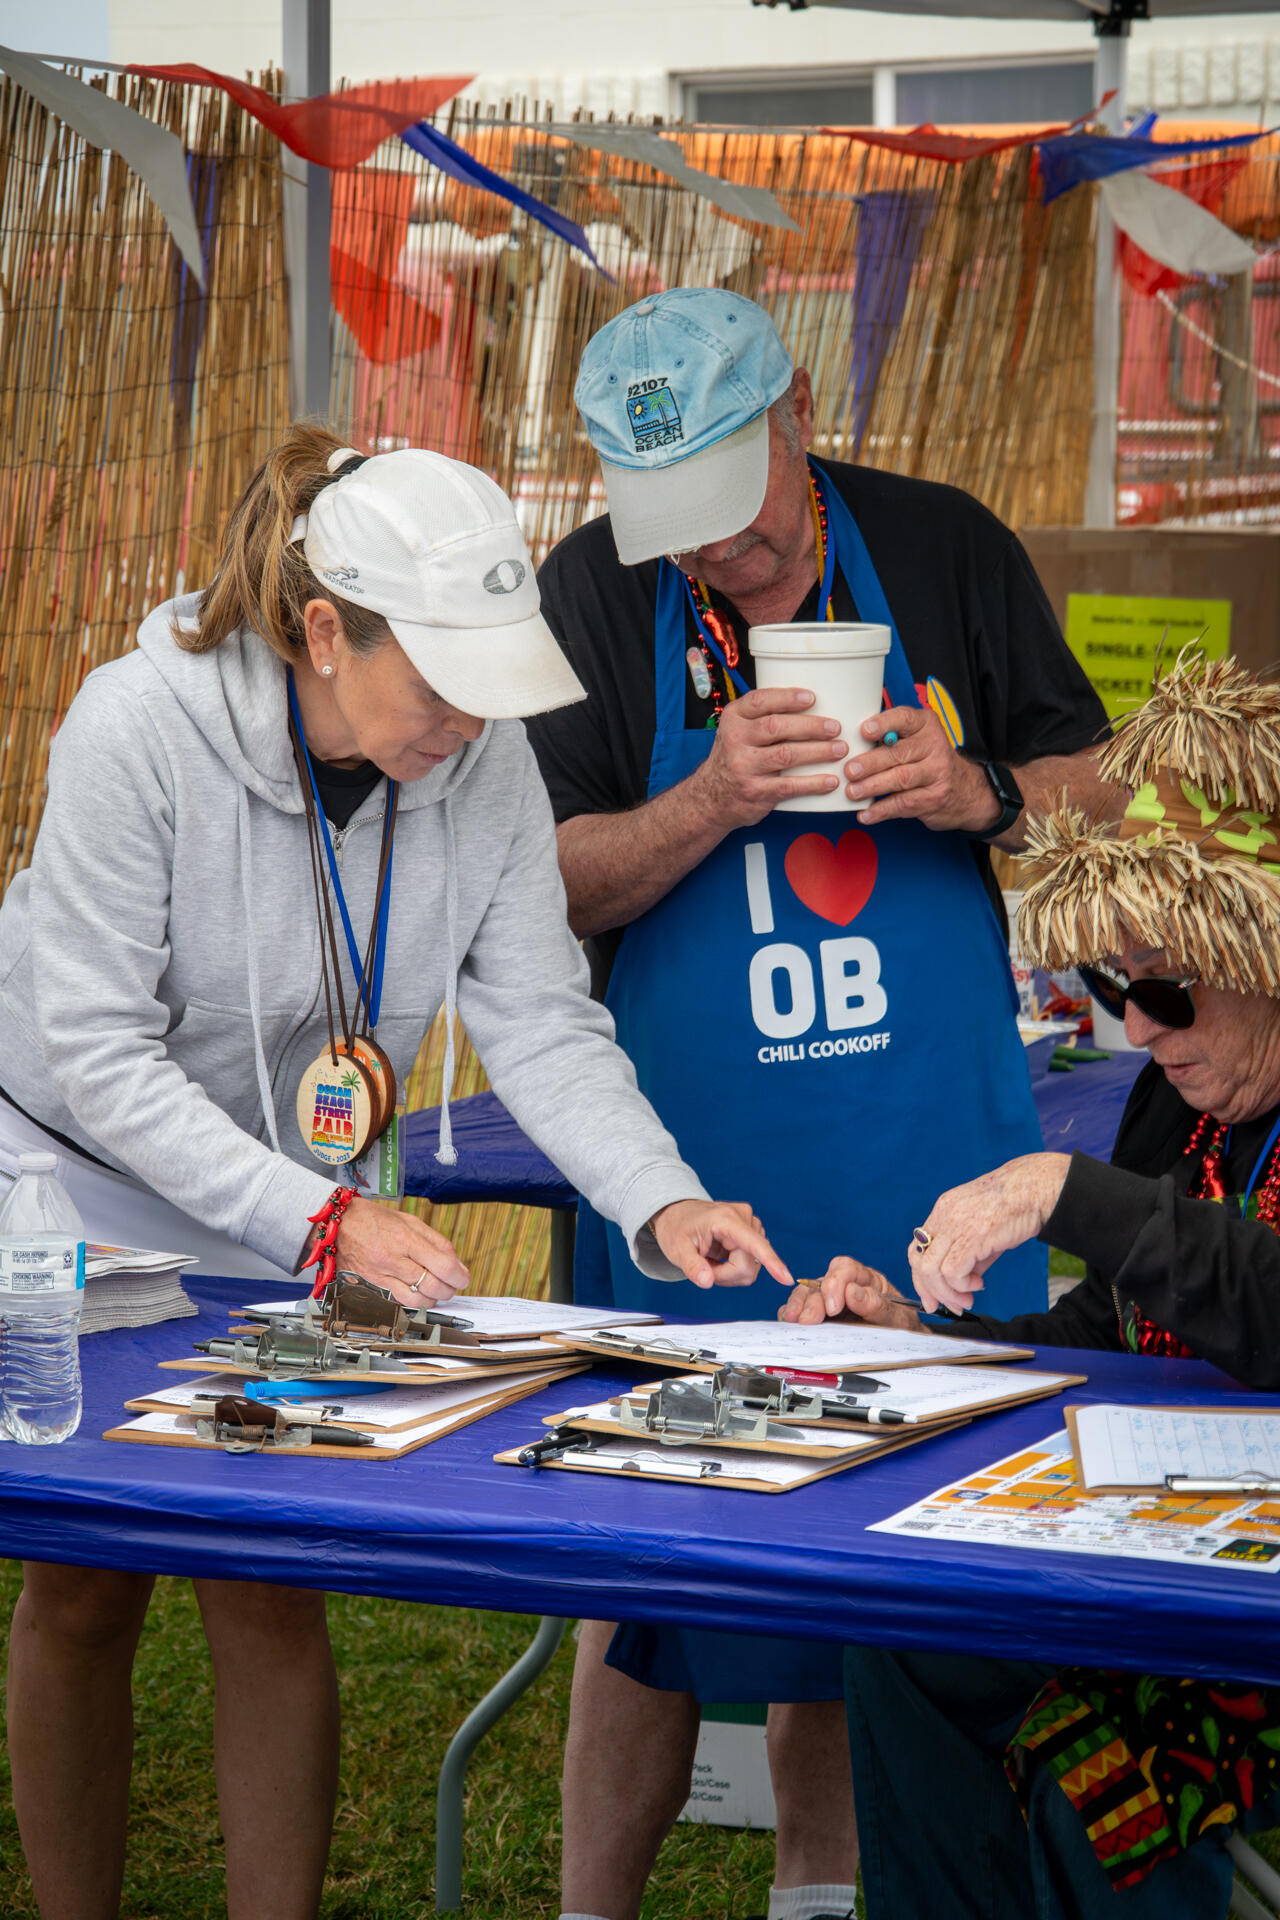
[(352, 1307), (652, 1348), (238, 1425), (284, 1346), (680, 1411)]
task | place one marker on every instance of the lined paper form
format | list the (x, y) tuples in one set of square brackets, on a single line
[(1138, 1446)]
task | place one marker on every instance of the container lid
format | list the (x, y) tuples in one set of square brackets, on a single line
[(827, 639), (37, 1163)]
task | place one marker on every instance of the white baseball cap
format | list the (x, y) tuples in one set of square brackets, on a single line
[(433, 545)]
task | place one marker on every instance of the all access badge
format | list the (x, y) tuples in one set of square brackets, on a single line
[(336, 1109)]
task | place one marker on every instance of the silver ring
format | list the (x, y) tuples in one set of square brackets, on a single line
[(921, 1240), (417, 1285)]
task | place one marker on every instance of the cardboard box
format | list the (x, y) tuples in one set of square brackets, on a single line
[(731, 1785), (1120, 593)]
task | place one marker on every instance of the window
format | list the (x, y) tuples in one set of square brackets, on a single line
[(781, 100), (994, 96)]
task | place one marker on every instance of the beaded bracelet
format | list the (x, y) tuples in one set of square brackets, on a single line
[(322, 1255)]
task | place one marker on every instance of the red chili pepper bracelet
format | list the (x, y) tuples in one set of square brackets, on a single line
[(329, 1219)]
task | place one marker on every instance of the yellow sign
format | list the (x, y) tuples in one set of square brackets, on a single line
[(1118, 637)]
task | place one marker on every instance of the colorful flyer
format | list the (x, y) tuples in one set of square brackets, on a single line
[(1117, 638), (1032, 1499)]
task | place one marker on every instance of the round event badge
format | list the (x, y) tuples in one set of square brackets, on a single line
[(336, 1108), (382, 1075)]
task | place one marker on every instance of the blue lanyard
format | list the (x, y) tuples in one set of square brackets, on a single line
[(292, 1393), (383, 909), (1258, 1164)]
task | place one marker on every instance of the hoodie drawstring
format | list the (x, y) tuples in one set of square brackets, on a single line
[(446, 1152), (255, 998)]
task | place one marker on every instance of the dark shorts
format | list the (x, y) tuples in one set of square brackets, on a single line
[(735, 1667)]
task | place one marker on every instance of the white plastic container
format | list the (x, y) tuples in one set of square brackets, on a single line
[(41, 1291), (1024, 974), (841, 662), (1108, 1032)]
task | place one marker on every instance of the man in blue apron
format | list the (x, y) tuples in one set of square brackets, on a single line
[(819, 1007)]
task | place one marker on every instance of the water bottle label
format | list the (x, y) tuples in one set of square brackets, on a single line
[(41, 1266)]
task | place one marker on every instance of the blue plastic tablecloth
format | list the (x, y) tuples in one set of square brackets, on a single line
[(496, 1161), (446, 1524)]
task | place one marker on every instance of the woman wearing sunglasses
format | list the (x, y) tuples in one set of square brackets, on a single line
[(1176, 915)]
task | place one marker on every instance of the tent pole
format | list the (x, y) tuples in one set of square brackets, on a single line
[(1100, 491), (306, 216)]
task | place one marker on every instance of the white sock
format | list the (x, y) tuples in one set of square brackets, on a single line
[(802, 1903), (582, 1916)]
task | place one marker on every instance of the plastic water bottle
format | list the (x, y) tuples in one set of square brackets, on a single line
[(41, 1290)]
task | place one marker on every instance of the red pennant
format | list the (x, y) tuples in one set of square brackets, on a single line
[(334, 129)]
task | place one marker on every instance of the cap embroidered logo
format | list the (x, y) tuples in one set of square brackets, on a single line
[(654, 415), (505, 577), (344, 577)]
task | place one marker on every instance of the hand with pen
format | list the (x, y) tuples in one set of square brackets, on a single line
[(849, 1290), (967, 1230)]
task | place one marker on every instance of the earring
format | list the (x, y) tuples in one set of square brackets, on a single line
[(326, 671)]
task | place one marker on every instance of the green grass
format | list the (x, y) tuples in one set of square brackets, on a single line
[(408, 1675)]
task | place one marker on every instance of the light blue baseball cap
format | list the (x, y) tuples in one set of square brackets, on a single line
[(674, 394)]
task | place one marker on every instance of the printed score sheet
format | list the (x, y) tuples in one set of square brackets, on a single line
[(1034, 1499)]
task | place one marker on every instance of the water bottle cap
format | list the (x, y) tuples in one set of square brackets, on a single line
[(37, 1162)]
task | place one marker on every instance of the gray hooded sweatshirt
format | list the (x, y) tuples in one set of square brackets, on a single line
[(160, 984)]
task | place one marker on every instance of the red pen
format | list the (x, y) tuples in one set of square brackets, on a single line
[(805, 1379)]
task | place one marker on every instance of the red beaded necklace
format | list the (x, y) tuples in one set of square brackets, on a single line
[(1209, 1140), (721, 629)]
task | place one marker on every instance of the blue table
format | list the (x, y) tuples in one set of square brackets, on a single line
[(447, 1526)]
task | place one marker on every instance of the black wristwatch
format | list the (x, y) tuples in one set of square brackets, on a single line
[(1007, 792)]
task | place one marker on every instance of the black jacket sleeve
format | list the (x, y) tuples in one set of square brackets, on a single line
[(1193, 1267)]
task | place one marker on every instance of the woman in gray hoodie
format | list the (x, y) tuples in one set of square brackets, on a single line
[(162, 997)]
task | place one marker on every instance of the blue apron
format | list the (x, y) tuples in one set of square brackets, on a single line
[(823, 1015)]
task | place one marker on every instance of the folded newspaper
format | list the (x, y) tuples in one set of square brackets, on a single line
[(132, 1287)]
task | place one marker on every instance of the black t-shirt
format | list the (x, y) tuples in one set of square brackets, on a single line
[(968, 606), (344, 790)]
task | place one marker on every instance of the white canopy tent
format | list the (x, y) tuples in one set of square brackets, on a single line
[(1112, 21)]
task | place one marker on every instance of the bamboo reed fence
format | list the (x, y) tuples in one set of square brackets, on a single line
[(944, 314)]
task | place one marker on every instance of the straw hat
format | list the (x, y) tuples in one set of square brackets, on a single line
[(1194, 866)]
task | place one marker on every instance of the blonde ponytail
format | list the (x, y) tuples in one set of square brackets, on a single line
[(263, 581)]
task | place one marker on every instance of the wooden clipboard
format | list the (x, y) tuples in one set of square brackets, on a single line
[(740, 1479), (687, 1361), (496, 1396), (1161, 1492), (850, 1444), (450, 1422), (350, 1376)]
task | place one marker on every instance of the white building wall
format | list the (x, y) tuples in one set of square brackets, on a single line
[(628, 56)]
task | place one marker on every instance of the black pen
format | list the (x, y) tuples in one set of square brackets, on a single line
[(872, 1416), (559, 1440)]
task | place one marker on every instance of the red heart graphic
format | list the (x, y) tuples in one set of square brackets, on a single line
[(835, 881)]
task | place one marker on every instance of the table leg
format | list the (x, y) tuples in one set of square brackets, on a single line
[(536, 1657), (563, 1234), (1257, 1874)]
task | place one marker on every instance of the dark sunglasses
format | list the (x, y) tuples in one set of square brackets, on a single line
[(1167, 1002)]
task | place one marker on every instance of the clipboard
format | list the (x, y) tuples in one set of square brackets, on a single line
[(1156, 1489), (178, 1430), (650, 1460), (557, 1363), (679, 1347), (848, 1444), (389, 1419)]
